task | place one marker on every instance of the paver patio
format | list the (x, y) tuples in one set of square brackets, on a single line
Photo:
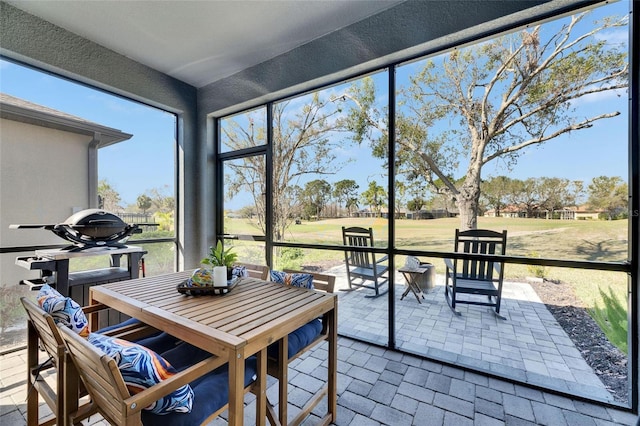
[(530, 346), (377, 386)]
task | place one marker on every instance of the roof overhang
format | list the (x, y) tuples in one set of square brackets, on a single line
[(12, 108)]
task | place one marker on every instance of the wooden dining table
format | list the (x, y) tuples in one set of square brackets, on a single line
[(235, 325)]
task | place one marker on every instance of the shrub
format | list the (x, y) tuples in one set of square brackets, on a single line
[(11, 310), (537, 271), (290, 258), (612, 319)]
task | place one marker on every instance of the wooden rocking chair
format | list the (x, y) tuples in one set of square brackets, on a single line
[(476, 276), (362, 266)]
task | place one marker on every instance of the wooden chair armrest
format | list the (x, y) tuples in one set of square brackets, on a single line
[(382, 259), (143, 399), (448, 263)]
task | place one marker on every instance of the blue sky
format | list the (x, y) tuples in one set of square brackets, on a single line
[(146, 161)]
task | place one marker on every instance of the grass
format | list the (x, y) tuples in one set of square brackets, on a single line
[(550, 239), (578, 240)]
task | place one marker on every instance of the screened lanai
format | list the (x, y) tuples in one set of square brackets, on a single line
[(388, 44)]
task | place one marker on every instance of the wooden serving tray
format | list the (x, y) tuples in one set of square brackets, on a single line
[(183, 288)]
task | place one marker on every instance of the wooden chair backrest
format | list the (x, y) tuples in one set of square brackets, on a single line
[(256, 271), (479, 241), (322, 282), (358, 237), (101, 377), (45, 328)]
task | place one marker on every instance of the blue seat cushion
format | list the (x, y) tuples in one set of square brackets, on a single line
[(158, 342), (298, 339), (130, 321), (63, 310), (211, 391)]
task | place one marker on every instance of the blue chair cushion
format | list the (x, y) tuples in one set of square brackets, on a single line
[(64, 310), (142, 368), (292, 279), (239, 271), (298, 339), (211, 391)]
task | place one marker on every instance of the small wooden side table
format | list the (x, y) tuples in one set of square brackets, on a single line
[(411, 276)]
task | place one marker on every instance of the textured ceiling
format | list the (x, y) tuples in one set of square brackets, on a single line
[(202, 41)]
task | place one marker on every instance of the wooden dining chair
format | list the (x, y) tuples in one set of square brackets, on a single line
[(256, 271), (62, 396), (296, 343), (207, 376)]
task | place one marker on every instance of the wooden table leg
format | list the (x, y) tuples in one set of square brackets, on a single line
[(283, 379), (236, 388), (93, 316), (332, 397), (261, 392)]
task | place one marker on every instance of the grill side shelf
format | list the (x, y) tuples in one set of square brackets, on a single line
[(31, 263)]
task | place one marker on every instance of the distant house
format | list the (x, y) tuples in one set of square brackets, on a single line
[(579, 213), (430, 214), (510, 210), (566, 213), (48, 171), (384, 213)]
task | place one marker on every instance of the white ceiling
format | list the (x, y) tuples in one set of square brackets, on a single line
[(202, 41)]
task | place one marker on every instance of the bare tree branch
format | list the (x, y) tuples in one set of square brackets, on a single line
[(582, 125)]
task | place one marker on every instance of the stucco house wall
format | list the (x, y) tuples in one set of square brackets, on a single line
[(46, 168), (43, 178)]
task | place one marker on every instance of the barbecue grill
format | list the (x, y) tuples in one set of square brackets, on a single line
[(91, 228)]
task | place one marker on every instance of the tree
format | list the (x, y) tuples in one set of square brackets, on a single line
[(552, 194), (301, 147), (314, 197), (164, 220), (144, 202), (575, 193), (492, 101), (375, 197), (496, 192), (401, 194), (344, 191), (609, 194), (109, 197), (162, 202), (247, 212), (415, 204), (351, 204), (525, 195)]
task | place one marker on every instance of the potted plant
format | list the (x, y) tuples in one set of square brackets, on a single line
[(218, 256)]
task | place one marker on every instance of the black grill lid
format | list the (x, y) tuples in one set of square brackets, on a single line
[(94, 223), (92, 228)]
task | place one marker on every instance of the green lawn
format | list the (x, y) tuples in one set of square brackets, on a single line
[(577, 240)]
